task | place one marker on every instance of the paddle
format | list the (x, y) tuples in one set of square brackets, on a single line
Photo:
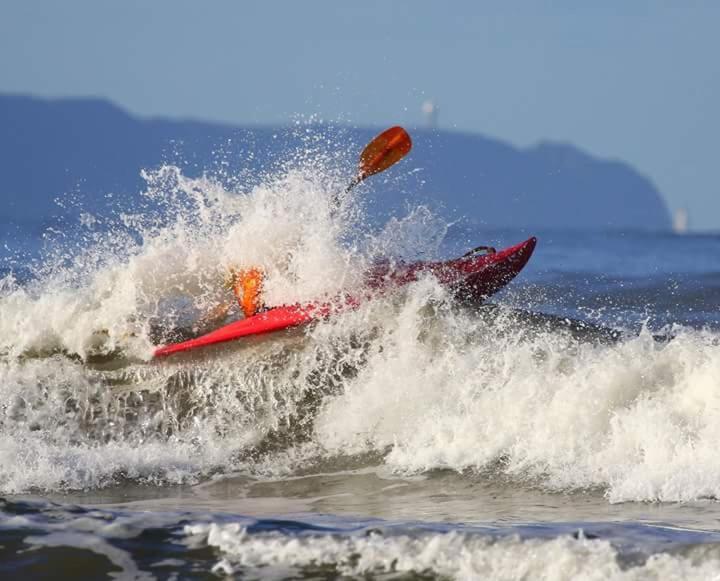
[(383, 151)]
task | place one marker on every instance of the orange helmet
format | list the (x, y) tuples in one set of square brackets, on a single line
[(247, 287)]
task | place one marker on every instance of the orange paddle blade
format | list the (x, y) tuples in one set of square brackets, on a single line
[(386, 149)]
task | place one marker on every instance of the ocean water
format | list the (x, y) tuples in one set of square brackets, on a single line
[(568, 428)]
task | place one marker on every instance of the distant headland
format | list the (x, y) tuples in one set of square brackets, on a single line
[(50, 148)]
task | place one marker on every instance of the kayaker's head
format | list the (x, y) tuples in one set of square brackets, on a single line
[(247, 286)]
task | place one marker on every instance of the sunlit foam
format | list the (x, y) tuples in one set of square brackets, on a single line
[(410, 378)]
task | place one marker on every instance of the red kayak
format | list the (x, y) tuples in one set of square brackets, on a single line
[(475, 277)]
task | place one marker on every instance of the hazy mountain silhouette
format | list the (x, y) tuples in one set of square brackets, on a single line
[(52, 148)]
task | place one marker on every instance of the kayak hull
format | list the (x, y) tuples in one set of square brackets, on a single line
[(272, 320), (474, 277)]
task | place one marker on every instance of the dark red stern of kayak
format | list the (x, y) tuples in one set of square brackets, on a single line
[(486, 280), (475, 277)]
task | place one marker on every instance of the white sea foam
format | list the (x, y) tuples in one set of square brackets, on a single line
[(97, 297), (450, 555), (66, 425), (639, 418), (407, 377)]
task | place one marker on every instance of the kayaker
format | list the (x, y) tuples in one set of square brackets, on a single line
[(383, 151), (247, 285)]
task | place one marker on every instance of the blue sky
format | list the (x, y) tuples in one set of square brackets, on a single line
[(637, 81)]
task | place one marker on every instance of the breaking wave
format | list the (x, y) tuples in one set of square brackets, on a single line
[(412, 382)]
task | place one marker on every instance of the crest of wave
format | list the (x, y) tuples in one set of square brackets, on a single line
[(449, 390), (68, 425), (450, 555), (97, 289)]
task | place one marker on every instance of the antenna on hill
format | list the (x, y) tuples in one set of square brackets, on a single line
[(680, 221), (430, 113)]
